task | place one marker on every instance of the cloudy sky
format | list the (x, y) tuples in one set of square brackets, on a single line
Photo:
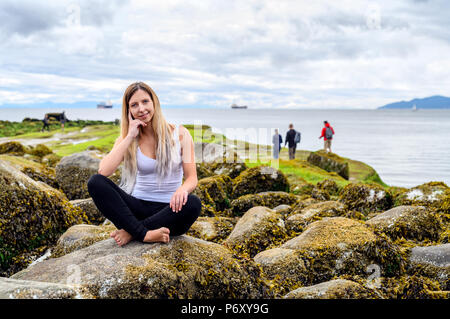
[(285, 54)]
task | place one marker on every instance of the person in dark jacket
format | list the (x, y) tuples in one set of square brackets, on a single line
[(277, 140), (327, 134), (45, 120), (290, 140)]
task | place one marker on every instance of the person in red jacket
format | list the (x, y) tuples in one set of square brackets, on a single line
[(327, 134)]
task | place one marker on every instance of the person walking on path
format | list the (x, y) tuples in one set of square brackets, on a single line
[(152, 202), (45, 120), (63, 119), (327, 134), (292, 138), (277, 140)]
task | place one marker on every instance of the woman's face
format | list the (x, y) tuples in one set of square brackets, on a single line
[(141, 106)]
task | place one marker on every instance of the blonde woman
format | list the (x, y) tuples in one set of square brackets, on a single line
[(151, 204)]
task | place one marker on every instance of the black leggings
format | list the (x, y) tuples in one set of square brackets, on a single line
[(138, 216)]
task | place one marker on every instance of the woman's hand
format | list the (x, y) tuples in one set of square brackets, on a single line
[(133, 126), (179, 198)]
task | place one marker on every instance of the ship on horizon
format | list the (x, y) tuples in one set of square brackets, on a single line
[(235, 106), (105, 105)]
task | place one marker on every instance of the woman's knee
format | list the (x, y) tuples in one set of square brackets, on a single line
[(95, 182), (194, 203)]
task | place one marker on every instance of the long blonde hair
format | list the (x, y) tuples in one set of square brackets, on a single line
[(166, 154)]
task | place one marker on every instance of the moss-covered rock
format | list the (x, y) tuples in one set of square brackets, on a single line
[(259, 179), (32, 217), (320, 194), (203, 171), (91, 211), (214, 193), (186, 267), (259, 228), (268, 199), (232, 169), (327, 248), (34, 170), (333, 289), (40, 150), (330, 186), (51, 160), (330, 162), (313, 212), (214, 229), (428, 194), (411, 287), (27, 289), (432, 262), (13, 148), (80, 236), (73, 172), (411, 222), (366, 198)]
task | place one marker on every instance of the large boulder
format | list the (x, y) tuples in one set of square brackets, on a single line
[(259, 179), (327, 248), (330, 162), (432, 262), (74, 171), (186, 267), (28, 289), (90, 209), (33, 216), (214, 229), (434, 194), (410, 222), (80, 236), (269, 199), (333, 289), (37, 171), (259, 228), (314, 212), (366, 198), (214, 192)]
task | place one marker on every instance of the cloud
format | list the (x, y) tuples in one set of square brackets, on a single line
[(260, 53)]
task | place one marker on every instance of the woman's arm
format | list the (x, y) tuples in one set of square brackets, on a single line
[(110, 162), (179, 198)]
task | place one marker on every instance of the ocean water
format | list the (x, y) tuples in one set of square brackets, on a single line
[(406, 148)]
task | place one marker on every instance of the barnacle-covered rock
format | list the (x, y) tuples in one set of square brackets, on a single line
[(410, 222), (186, 267), (366, 198), (327, 248), (32, 217), (259, 179), (269, 199), (259, 228)]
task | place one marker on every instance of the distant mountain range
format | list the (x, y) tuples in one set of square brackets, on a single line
[(432, 102)]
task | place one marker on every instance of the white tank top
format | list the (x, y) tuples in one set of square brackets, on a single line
[(147, 187)]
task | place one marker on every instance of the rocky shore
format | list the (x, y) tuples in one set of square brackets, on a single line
[(262, 233)]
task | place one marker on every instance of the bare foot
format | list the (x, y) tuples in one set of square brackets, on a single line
[(157, 235), (121, 236)]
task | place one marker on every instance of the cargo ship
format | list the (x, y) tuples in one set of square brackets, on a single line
[(234, 106), (105, 105)]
